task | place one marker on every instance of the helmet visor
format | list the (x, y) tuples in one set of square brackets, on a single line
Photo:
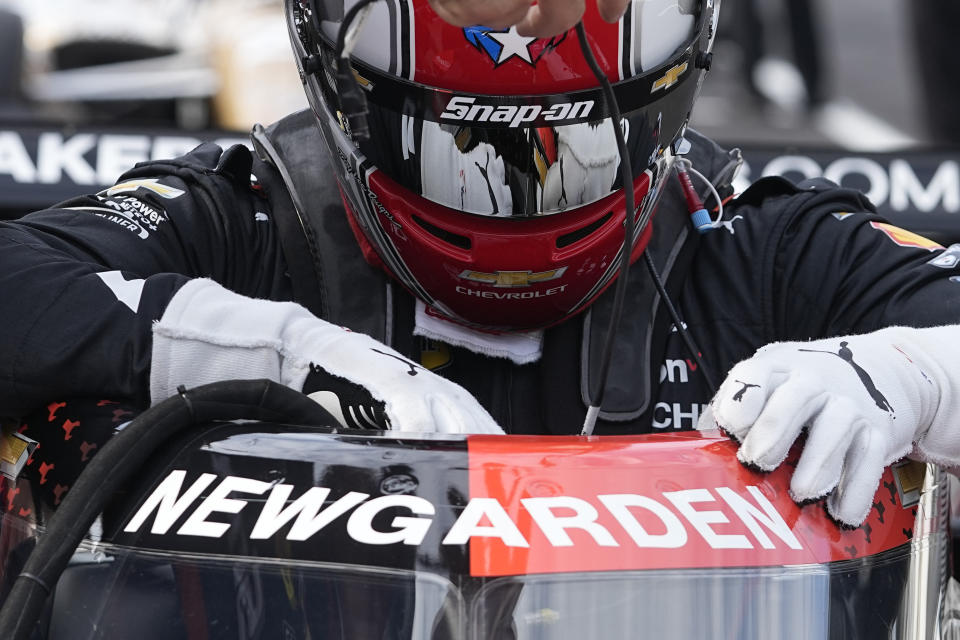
[(516, 156)]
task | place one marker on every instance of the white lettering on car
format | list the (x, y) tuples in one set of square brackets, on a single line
[(702, 519), (198, 525), (620, 504), (410, 531), (753, 517), (749, 519), (584, 516), (501, 526), (308, 509), (168, 503)]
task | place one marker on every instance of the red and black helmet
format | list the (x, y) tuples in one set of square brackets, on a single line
[(490, 183)]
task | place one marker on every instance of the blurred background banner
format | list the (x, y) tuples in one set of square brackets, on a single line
[(862, 91), (43, 166), (917, 189)]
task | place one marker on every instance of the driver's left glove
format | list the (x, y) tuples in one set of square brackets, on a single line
[(865, 401)]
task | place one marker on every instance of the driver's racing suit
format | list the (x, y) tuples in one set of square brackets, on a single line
[(83, 282)]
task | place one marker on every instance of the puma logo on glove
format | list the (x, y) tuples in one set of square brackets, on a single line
[(349, 403), (864, 402)]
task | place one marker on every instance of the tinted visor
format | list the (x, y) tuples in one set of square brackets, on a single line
[(518, 155)]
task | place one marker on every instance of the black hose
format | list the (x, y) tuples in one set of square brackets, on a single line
[(122, 456), (629, 225), (353, 102), (679, 323)]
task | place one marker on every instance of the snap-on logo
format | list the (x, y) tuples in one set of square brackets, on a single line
[(469, 109)]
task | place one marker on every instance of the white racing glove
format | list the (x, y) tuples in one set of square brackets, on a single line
[(208, 334), (864, 400)]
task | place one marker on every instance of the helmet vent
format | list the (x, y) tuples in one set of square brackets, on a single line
[(568, 239), (463, 242)]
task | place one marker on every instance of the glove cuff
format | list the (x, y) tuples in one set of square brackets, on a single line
[(934, 356), (209, 333)]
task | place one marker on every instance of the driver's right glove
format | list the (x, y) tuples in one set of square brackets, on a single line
[(209, 333)]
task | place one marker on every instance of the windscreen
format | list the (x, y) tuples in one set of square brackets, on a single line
[(514, 156), (846, 600), (125, 594), (118, 593)]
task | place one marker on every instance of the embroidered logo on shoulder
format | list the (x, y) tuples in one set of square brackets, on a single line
[(150, 184), (728, 224), (905, 238), (949, 259), (843, 215)]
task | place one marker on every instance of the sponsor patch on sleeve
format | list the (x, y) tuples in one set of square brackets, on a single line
[(149, 184), (905, 238), (124, 204)]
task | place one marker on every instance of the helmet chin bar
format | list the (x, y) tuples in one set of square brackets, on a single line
[(484, 273)]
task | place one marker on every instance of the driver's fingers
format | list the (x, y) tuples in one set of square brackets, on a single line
[(822, 460), (545, 19), (551, 17), (791, 405), (612, 10), (853, 498), (496, 14)]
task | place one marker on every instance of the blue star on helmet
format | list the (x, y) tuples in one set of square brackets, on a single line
[(500, 45)]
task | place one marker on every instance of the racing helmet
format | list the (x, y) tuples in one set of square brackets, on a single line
[(490, 183)]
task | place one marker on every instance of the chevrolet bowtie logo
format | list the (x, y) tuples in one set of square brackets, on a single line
[(513, 278), (670, 78), (150, 184), (363, 82)]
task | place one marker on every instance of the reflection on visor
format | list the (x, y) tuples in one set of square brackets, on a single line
[(518, 172), (550, 169)]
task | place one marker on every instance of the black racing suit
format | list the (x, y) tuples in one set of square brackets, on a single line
[(789, 263)]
